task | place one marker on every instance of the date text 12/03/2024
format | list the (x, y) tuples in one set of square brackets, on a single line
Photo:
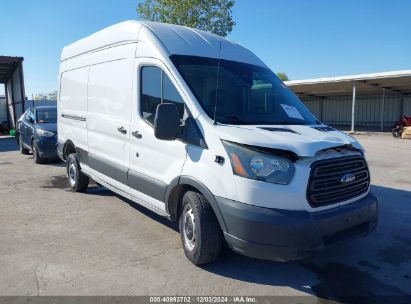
[(203, 299)]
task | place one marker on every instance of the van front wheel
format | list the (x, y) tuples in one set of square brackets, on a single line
[(78, 180), (199, 229)]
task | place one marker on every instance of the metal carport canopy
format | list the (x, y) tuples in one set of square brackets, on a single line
[(7, 66), (374, 83)]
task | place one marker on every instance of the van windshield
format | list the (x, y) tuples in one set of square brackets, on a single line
[(240, 93)]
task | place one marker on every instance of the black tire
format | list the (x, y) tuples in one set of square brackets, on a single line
[(37, 158), (204, 245), (78, 181), (21, 147)]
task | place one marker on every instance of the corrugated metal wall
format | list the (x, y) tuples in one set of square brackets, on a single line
[(407, 105), (314, 105), (336, 110), (9, 99), (3, 109)]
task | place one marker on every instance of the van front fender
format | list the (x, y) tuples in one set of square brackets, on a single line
[(176, 190)]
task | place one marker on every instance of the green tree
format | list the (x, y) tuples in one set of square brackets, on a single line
[(208, 15), (282, 76)]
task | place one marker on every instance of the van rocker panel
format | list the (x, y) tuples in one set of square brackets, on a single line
[(137, 181), (109, 168), (276, 234), (147, 185)]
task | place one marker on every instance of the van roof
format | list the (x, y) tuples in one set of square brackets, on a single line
[(175, 39)]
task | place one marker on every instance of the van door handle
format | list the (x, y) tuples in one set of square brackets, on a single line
[(136, 134), (122, 130)]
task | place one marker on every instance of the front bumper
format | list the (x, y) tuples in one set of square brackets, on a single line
[(282, 235), (47, 147)]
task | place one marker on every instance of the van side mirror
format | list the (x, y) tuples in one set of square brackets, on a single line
[(166, 121)]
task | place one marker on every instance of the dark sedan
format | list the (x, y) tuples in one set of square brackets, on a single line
[(37, 132)]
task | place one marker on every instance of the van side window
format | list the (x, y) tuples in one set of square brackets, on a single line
[(157, 88), (150, 92)]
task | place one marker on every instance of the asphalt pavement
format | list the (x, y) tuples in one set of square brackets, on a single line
[(56, 242)]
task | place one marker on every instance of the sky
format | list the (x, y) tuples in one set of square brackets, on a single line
[(303, 38)]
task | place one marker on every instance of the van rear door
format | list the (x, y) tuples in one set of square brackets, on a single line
[(154, 163)]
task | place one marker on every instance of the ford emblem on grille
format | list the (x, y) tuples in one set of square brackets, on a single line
[(348, 178)]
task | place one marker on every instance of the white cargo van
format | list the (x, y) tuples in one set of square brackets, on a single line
[(198, 129)]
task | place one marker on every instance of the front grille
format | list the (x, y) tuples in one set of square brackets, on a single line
[(326, 187)]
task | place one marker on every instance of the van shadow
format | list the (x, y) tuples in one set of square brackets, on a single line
[(8, 144), (55, 163), (348, 274), (102, 191)]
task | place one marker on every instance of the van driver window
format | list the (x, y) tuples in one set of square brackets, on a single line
[(157, 88), (150, 92), (171, 95)]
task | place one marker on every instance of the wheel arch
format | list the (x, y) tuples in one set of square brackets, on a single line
[(181, 185), (68, 148)]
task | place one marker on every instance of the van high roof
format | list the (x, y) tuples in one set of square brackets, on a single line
[(173, 39)]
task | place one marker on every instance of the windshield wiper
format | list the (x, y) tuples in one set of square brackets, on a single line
[(234, 118), (286, 122)]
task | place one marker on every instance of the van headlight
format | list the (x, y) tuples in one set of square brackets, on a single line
[(250, 163), (45, 133)]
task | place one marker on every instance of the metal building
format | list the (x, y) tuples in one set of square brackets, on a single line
[(11, 75), (358, 102), (3, 109)]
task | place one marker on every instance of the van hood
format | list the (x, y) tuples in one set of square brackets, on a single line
[(303, 140)]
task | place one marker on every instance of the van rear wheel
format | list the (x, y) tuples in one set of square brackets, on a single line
[(78, 180), (199, 229)]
